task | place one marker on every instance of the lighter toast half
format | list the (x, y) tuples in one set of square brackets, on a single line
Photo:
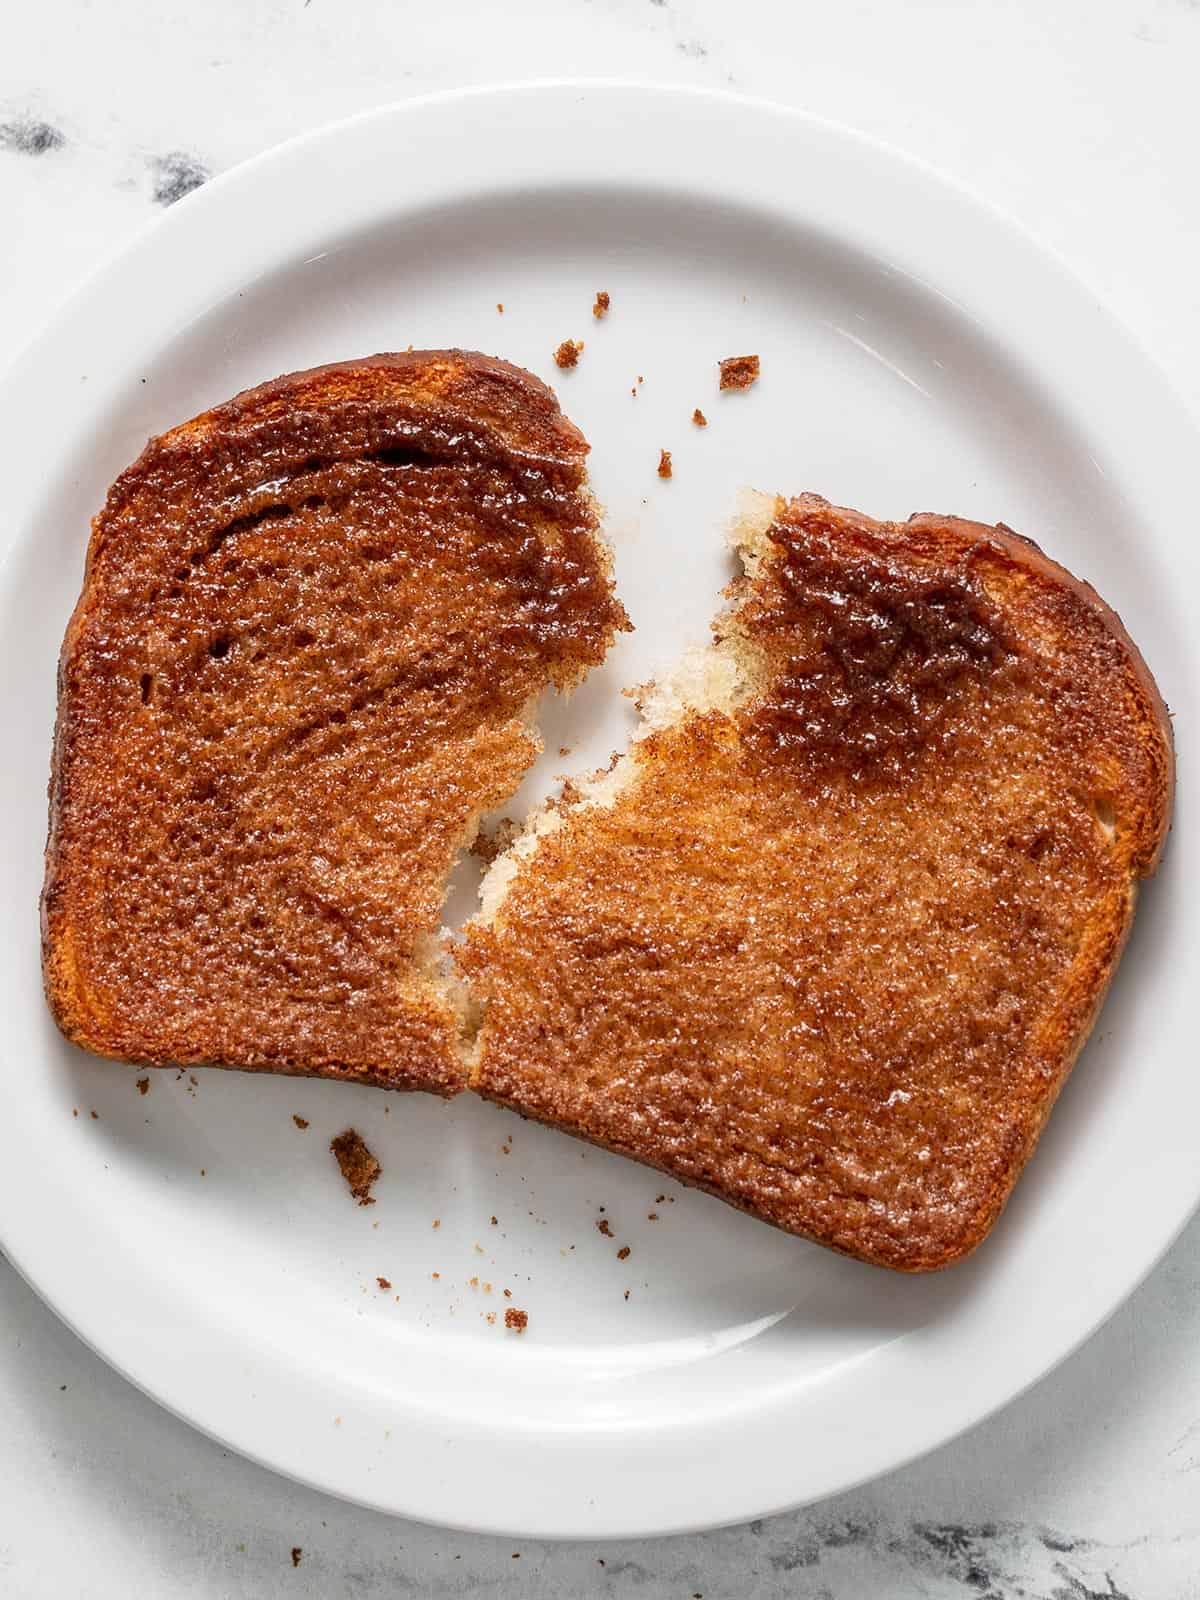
[(827, 942)]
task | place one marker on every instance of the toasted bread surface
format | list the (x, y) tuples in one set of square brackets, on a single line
[(313, 626), (827, 941)]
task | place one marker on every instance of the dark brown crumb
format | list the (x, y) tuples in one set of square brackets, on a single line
[(623, 1253), (204, 1172), (95, 1116), (359, 1167), (301, 1122), (143, 1086), (517, 1320), (659, 1199), (664, 463), (494, 1223), (383, 1283), (488, 846), (564, 749), (739, 372), (508, 1294), (652, 1216), (74, 1111), (568, 352), (627, 1294), (640, 378), (516, 1555), (602, 1224), (699, 418), (296, 1554), (603, 302)]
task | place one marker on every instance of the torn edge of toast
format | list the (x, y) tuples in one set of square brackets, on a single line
[(715, 677)]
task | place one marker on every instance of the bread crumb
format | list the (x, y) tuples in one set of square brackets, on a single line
[(627, 1294), (435, 1275), (508, 1294), (623, 1253), (659, 1199), (699, 418), (490, 1318), (437, 1222), (487, 846), (517, 1320), (500, 307), (600, 309), (143, 1086), (297, 1552), (664, 463), (359, 1167), (478, 1248), (384, 1283), (739, 372), (487, 1288), (652, 1216), (95, 1116), (493, 1222), (74, 1111), (473, 1283), (568, 352), (301, 1122), (602, 1224)]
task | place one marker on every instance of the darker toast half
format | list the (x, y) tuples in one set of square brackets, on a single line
[(313, 626)]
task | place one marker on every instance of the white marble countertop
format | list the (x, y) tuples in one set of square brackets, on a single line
[(1080, 119)]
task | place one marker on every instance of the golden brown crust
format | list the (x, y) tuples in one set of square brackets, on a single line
[(831, 951), (311, 624)]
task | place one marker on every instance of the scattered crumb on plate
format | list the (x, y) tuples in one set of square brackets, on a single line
[(568, 352), (297, 1552), (602, 1224), (623, 1253), (664, 463), (384, 1283), (359, 1167), (143, 1086), (487, 846), (301, 1122), (699, 418), (516, 1320), (600, 309), (500, 307), (739, 372)]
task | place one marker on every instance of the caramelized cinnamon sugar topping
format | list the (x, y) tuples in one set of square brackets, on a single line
[(313, 622), (830, 950)]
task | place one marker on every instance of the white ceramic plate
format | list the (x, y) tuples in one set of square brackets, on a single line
[(918, 352)]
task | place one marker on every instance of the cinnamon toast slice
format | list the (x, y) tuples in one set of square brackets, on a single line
[(314, 624), (827, 942)]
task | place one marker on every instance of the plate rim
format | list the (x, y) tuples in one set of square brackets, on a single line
[(637, 1521)]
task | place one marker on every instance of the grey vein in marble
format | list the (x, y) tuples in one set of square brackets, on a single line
[(175, 174), (30, 136)]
